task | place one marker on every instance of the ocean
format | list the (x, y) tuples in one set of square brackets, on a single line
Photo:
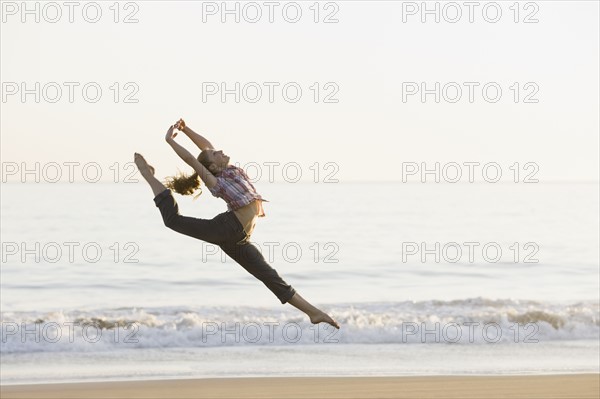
[(424, 279)]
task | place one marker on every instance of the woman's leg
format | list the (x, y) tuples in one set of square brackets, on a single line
[(210, 230), (250, 258), (202, 229)]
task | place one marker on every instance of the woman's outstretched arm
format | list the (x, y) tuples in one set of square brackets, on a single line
[(200, 141), (207, 177)]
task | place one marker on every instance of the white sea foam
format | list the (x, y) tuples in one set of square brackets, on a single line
[(477, 321)]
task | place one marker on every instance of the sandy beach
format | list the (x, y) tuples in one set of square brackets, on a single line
[(489, 387)]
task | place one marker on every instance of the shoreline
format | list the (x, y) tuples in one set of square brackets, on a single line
[(491, 386)]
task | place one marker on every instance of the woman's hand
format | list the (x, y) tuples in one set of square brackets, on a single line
[(180, 124), (170, 135)]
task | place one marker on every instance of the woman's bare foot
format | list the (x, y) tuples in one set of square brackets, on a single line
[(323, 317), (144, 168), (147, 173), (316, 315)]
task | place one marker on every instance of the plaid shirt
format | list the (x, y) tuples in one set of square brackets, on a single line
[(234, 186)]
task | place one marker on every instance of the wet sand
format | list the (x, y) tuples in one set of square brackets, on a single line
[(488, 387)]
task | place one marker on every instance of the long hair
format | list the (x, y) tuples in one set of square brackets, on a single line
[(187, 185)]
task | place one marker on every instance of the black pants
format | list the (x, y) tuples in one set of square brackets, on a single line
[(226, 231)]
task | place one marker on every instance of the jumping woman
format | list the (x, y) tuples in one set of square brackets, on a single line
[(230, 230)]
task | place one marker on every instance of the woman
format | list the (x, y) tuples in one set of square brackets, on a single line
[(230, 230)]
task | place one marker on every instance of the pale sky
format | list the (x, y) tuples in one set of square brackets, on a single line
[(369, 54)]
